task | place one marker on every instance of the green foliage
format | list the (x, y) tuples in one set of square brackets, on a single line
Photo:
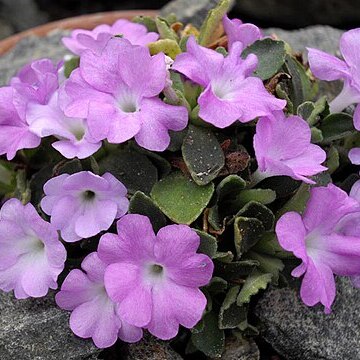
[(212, 21), (180, 198), (71, 65), (167, 46), (143, 205), (208, 244), (336, 126), (202, 154), (271, 56)]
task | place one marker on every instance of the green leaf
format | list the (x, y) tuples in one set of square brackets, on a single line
[(268, 264), (211, 341), (143, 205), (302, 88), (230, 186), (258, 211), (311, 111), (165, 31), (208, 244), (176, 140), (167, 46), (297, 202), (282, 92), (271, 56), (148, 21), (269, 245), (133, 169), (22, 189), (217, 285), (316, 135), (253, 284), (332, 159), (7, 177), (71, 65), (234, 270), (336, 126), (247, 232), (231, 315), (202, 154), (225, 257), (263, 196), (212, 21), (180, 198), (282, 185), (68, 167)]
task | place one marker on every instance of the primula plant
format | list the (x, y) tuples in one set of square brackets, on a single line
[(163, 176)]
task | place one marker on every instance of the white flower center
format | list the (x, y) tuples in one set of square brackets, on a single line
[(88, 195), (154, 273), (127, 101)]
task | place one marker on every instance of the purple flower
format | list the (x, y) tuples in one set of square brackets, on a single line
[(93, 314), (354, 156), (282, 147), (154, 279), (36, 82), (95, 40), (230, 93), (14, 131), (31, 255), (328, 67), (117, 92), (236, 30), (83, 204), (74, 139), (326, 241)]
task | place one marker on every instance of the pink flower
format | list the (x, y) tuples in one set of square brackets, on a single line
[(328, 67), (95, 40), (283, 147), (117, 92), (31, 255), (230, 92), (74, 138), (14, 131), (326, 241), (93, 314), (154, 279), (83, 204), (354, 156), (236, 30)]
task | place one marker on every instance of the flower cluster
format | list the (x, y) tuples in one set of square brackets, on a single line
[(168, 157)]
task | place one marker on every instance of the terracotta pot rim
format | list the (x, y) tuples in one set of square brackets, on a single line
[(88, 21)]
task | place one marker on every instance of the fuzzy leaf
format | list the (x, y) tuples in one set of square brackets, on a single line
[(143, 205), (263, 196), (316, 135), (332, 159), (202, 154), (211, 340), (217, 285), (147, 21), (234, 270), (165, 31), (258, 211), (247, 232), (225, 257), (212, 21), (271, 56), (336, 126), (282, 185), (231, 315), (208, 244), (253, 284), (133, 169), (167, 46), (180, 198), (231, 185), (269, 245), (71, 65), (311, 111)]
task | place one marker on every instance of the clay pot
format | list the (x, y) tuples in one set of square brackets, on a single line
[(78, 22)]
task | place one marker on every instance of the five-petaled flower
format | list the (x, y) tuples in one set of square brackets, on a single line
[(283, 147), (117, 91), (230, 92), (94, 314), (155, 279), (327, 240), (328, 67), (31, 255), (96, 39), (83, 204)]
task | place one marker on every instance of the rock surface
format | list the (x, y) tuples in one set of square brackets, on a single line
[(240, 349), (189, 10), (35, 329), (295, 13), (301, 333)]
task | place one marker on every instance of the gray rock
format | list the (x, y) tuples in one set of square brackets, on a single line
[(189, 10), (302, 333), (296, 13), (150, 348), (35, 329), (30, 14), (30, 49), (240, 349)]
